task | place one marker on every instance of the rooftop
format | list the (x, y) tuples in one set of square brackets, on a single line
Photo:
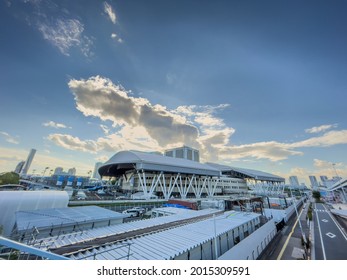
[(248, 173), (128, 160)]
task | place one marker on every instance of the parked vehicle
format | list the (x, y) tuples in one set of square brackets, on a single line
[(139, 209), (131, 212), (135, 211)]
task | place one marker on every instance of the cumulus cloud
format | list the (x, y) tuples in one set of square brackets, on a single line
[(55, 125), (99, 97), (73, 143), (317, 129), (330, 138), (138, 124), (127, 138), (110, 12), (323, 164), (65, 34), (8, 138), (272, 150)]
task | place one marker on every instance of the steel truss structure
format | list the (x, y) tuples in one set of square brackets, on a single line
[(183, 182)]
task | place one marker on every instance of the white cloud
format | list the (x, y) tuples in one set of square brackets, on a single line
[(127, 138), (330, 138), (65, 34), (142, 126), (62, 32), (55, 125), (105, 129), (99, 97), (73, 143), (102, 158), (317, 129), (323, 164), (272, 150), (110, 12), (116, 37), (8, 138)]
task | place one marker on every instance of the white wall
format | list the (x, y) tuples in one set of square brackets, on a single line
[(253, 245)]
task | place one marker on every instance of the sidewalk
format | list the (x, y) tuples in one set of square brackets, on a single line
[(296, 248), (289, 245)]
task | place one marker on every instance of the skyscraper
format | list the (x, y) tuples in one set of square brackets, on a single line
[(58, 171), (314, 182), (28, 162), (293, 181), (72, 171), (19, 167), (323, 178)]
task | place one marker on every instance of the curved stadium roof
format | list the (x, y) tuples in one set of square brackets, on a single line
[(247, 173), (127, 160)]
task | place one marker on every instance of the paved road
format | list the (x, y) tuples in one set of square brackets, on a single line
[(330, 242)]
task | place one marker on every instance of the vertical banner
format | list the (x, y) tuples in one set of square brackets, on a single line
[(79, 182), (60, 180), (70, 180)]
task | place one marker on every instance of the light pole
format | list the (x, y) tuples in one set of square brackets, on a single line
[(337, 178), (43, 173), (215, 235)]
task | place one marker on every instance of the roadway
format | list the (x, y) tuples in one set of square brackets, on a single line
[(330, 240)]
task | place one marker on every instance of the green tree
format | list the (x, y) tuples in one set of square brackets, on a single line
[(316, 195), (9, 178)]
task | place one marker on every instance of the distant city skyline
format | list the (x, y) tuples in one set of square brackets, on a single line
[(257, 85)]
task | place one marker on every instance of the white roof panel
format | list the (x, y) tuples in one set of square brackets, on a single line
[(172, 242), (154, 162), (256, 174)]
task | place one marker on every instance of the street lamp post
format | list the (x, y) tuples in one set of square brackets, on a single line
[(43, 173)]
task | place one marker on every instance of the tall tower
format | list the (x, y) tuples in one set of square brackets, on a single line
[(314, 182), (19, 167), (28, 162), (293, 180)]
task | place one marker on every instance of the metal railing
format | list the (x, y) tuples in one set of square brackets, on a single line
[(12, 250)]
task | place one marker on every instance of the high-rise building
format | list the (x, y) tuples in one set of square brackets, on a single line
[(293, 181), (28, 162), (183, 152), (58, 171), (19, 167), (314, 182), (323, 179), (72, 171), (96, 174)]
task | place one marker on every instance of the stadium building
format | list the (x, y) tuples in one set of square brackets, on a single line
[(165, 176)]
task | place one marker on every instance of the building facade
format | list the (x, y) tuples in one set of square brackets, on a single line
[(28, 162)]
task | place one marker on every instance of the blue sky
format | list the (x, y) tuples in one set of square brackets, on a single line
[(253, 84)]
